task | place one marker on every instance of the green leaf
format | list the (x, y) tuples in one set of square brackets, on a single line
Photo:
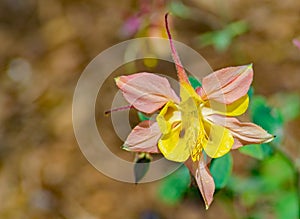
[(249, 197), (222, 40), (267, 150), (287, 206), (258, 151), (179, 9), (277, 172), (253, 150), (237, 28), (141, 166), (220, 169), (142, 116), (250, 92), (268, 118), (174, 186), (206, 39), (194, 82)]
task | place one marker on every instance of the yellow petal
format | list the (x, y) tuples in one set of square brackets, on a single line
[(172, 147), (187, 91), (219, 141), (236, 108), (173, 143), (167, 116)]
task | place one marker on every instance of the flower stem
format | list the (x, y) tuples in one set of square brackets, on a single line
[(180, 70), (118, 109)]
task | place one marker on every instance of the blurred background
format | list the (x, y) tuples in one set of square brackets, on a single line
[(46, 44)]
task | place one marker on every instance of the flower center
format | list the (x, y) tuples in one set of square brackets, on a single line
[(187, 119)]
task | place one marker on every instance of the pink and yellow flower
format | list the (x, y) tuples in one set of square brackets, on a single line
[(194, 124)]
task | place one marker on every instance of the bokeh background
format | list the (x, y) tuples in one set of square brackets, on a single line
[(46, 44)]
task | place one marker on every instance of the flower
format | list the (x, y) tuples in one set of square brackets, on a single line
[(197, 124), (296, 43)]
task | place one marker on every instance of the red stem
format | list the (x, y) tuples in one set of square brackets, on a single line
[(118, 109), (180, 70)]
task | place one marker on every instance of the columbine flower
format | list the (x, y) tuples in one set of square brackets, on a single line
[(198, 123)]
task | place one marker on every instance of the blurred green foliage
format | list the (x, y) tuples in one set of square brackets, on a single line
[(255, 150), (269, 118), (221, 39), (288, 104), (220, 169), (270, 190), (178, 9), (174, 186)]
